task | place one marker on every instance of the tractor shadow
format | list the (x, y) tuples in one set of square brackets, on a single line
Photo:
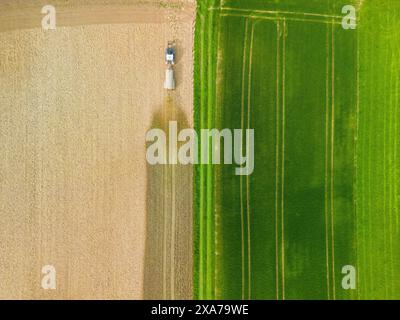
[(168, 248)]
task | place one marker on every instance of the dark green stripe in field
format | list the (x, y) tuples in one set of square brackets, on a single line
[(324, 104), (305, 150)]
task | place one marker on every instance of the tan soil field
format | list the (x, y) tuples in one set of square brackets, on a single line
[(75, 188)]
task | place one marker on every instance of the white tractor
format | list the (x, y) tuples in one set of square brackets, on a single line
[(169, 83)]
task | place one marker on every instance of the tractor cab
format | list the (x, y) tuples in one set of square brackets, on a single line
[(170, 54)]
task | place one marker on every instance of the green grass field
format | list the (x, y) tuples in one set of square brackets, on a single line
[(324, 104)]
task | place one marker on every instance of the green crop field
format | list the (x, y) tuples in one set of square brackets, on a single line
[(324, 104)]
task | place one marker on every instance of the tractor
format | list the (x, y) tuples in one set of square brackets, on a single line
[(169, 83)]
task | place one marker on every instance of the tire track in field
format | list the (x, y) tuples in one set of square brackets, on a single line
[(244, 97), (247, 144), (332, 159), (168, 271), (278, 33), (283, 154), (328, 55)]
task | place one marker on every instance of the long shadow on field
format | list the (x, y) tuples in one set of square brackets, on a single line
[(168, 250)]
